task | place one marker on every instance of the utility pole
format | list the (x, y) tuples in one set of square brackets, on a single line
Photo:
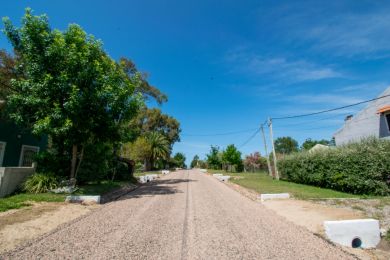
[(266, 152), (273, 148)]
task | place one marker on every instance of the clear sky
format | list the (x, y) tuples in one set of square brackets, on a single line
[(228, 65)]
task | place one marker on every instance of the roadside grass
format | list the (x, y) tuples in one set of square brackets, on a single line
[(25, 199), (260, 182), (20, 200)]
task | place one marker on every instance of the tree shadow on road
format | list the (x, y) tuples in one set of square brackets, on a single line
[(157, 187)]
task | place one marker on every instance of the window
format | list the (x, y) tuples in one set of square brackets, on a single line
[(387, 116), (2, 151), (27, 155)]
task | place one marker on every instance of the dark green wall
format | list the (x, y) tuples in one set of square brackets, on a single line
[(15, 137)]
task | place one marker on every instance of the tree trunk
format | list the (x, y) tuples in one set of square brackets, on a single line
[(74, 162)]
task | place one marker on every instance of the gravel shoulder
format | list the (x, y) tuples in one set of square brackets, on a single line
[(185, 215)]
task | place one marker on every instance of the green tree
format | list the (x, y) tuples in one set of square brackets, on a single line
[(140, 150), (286, 145), (231, 157), (71, 89), (145, 89), (180, 160), (160, 149), (153, 120), (195, 162), (309, 143), (214, 159)]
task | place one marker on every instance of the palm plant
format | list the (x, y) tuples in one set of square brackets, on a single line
[(160, 148)]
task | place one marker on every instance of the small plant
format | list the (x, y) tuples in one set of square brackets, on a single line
[(40, 183)]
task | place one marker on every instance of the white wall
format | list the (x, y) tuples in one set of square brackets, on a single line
[(12, 177)]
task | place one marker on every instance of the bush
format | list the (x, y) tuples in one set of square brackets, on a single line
[(40, 183), (359, 168)]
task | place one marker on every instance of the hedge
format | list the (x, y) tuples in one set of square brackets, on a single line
[(358, 168)]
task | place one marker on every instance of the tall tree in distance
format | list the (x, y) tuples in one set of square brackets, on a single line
[(144, 88), (231, 157), (310, 143), (195, 162), (214, 159), (180, 160), (286, 145)]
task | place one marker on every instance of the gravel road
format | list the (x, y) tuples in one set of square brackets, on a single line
[(184, 215)]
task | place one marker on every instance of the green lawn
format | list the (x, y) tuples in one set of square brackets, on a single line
[(262, 183), (25, 199)]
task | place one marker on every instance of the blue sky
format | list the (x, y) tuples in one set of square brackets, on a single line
[(228, 65)]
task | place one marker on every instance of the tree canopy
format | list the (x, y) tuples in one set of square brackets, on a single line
[(232, 157), (70, 89), (286, 145), (214, 158), (310, 143)]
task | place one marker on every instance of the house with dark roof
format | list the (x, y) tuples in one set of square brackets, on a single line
[(372, 121)]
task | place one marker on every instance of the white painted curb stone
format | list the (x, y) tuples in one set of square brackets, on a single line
[(142, 179), (74, 198), (216, 175), (223, 178), (203, 170), (164, 171), (344, 232), (264, 197), (154, 176), (149, 178)]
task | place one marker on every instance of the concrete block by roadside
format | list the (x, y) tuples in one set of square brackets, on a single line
[(271, 196), (83, 199), (223, 178), (357, 233), (165, 172), (217, 175), (203, 170)]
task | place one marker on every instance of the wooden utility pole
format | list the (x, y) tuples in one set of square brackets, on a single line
[(266, 152), (273, 148)]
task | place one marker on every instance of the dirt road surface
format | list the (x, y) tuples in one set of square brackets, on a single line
[(185, 215)]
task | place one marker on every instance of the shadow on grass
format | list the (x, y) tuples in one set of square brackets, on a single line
[(157, 187)]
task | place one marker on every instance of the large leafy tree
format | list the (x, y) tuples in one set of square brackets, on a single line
[(153, 120), (71, 89), (231, 157), (180, 160), (286, 145), (144, 88), (310, 143), (214, 159)]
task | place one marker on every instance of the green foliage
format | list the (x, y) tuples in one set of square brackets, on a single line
[(71, 89), (179, 160), (195, 162), (24, 200), (358, 168), (255, 162), (309, 143), (231, 157), (214, 158), (286, 145), (153, 120), (40, 183)]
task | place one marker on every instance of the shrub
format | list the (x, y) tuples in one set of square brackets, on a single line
[(40, 183), (359, 168)]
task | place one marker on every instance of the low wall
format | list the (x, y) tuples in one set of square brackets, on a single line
[(12, 177)]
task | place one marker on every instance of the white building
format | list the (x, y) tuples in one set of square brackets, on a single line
[(374, 120)]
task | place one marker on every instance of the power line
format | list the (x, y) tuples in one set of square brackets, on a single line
[(227, 133), (249, 139), (330, 110)]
